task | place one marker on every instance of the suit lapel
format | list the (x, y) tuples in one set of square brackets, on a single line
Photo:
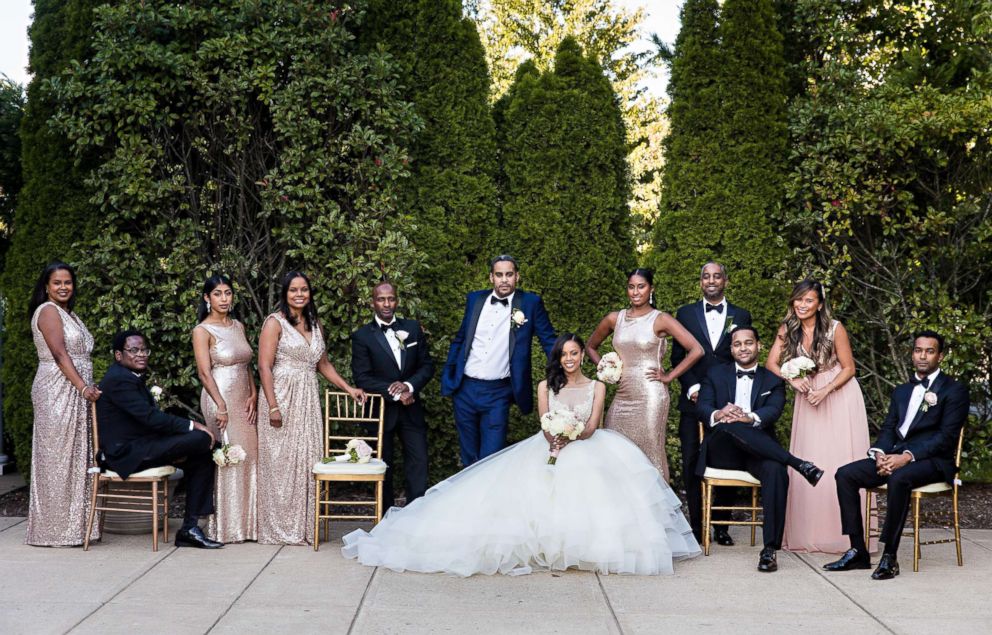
[(730, 380), (727, 317), (757, 385), (403, 352), (919, 411), (514, 306), (380, 337), (705, 330), (473, 322)]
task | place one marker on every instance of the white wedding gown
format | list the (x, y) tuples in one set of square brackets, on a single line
[(603, 507)]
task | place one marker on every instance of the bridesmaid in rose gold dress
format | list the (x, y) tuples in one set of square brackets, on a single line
[(290, 353), (61, 448), (640, 408), (228, 403), (829, 422)]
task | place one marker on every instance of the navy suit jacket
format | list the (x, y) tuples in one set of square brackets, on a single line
[(374, 369), (129, 421), (933, 434), (693, 318), (538, 324), (719, 387)]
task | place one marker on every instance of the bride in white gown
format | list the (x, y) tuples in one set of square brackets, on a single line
[(602, 507)]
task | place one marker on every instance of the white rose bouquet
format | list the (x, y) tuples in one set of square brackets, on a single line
[(798, 367), (610, 368), (561, 423), (156, 393), (228, 454), (357, 451)]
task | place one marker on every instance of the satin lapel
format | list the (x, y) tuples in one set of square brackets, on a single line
[(704, 329), (380, 337), (756, 386), (937, 384), (473, 324), (730, 380), (403, 354), (728, 317), (515, 305)]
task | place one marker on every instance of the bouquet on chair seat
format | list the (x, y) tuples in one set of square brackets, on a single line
[(357, 451)]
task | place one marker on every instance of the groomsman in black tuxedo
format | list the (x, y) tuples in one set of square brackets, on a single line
[(739, 404), (390, 356), (710, 322), (916, 446), (135, 435)]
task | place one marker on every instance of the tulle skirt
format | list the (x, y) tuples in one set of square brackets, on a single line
[(603, 507)]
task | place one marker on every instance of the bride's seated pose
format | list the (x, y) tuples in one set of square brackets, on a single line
[(601, 507)]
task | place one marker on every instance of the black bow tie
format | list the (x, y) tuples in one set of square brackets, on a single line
[(925, 382), (745, 373), (386, 327), (714, 307), (494, 300)]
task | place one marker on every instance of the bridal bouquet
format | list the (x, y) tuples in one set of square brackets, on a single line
[(798, 367), (228, 454), (357, 451), (610, 368), (561, 423)]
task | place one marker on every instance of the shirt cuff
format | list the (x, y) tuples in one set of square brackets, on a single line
[(693, 389), (408, 385), (872, 451), (712, 418), (912, 459), (756, 419), (192, 425)]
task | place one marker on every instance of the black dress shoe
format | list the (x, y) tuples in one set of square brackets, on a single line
[(194, 538), (723, 538), (888, 568), (810, 472), (852, 559), (767, 562)]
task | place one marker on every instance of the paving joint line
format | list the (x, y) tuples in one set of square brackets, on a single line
[(361, 602), (23, 520), (609, 604), (246, 587), (974, 542), (123, 588), (827, 579)]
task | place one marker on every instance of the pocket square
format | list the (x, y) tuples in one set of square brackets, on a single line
[(411, 344), (765, 393)]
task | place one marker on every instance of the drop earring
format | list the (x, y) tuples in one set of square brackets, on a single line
[(651, 299), (209, 308)]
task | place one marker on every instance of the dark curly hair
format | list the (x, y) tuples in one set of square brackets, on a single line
[(555, 372)]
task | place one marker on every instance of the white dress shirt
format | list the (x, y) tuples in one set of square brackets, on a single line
[(490, 355), (742, 395), (915, 401), (715, 322), (394, 344)]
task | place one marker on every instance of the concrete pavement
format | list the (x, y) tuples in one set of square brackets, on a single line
[(120, 586)]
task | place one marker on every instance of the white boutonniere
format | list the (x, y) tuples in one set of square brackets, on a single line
[(729, 326), (518, 318), (929, 399), (401, 338), (156, 393)]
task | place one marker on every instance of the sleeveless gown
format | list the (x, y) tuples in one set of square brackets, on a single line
[(235, 495), (830, 435), (286, 455), (640, 407), (603, 507), (62, 447)]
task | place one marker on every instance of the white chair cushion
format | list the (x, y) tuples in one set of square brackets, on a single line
[(932, 488), (152, 472), (731, 475), (374, 466)]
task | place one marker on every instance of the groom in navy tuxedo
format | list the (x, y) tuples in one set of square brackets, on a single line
[(710, 322), (916, 446), (488, 365), (739, 404)]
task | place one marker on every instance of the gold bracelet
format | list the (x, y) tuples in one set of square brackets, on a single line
[(222, 412), (276, 409)]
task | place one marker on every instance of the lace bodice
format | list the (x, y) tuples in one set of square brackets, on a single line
[(831, 361), (578, 399)]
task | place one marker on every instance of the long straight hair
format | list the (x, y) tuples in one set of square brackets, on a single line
[(554, 371), (211, 283), (822, 345), (309, 311), (39, 295)]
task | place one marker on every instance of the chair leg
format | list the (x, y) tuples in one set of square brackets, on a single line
[(89, 522), (707, 502), (754, 512), (318, 486), (105, 486), (165, 510), (378, 501), (916, 534), (957, 527), (154, 515)]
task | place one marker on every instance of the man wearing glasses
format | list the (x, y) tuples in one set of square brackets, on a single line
[(135, 435)]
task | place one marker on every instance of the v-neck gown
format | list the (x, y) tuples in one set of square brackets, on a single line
[(286, 455)]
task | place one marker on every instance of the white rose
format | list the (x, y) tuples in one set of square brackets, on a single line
[(156, 392), (401, 335), (519, 318)]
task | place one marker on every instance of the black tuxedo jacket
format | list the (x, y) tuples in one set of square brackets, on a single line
[(933, 434), (719, 387), (373, 366), (129, 421), (693, 318)]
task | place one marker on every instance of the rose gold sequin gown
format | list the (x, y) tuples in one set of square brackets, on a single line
[(61, 448), (235, 496), (286, 455), (640, 408)]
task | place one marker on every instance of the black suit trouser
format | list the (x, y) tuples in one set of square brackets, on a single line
[(689, 438), (411, 429), (190, 451), (742, 447), (852, 477)]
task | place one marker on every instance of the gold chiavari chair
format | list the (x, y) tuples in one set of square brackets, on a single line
[(125, 497), (715, 477), (342, 412), (925, 491)]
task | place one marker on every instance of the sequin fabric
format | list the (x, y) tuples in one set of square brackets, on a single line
[(286, 455), (61, 448), (235, 519), (640, 408)]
